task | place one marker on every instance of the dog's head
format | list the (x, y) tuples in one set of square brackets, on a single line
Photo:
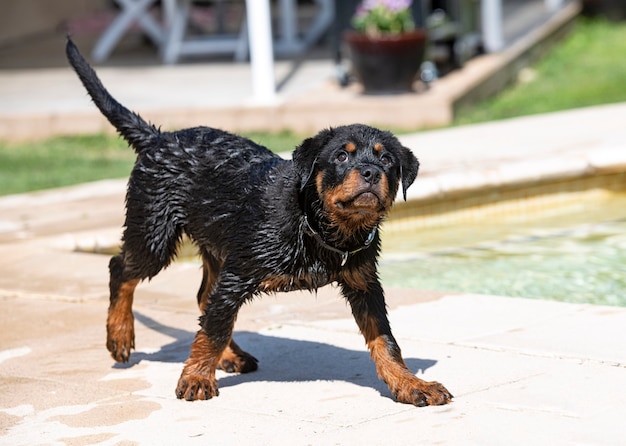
[(356, 171)]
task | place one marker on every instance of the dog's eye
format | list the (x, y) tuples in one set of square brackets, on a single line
[(385, 160), (342, 156)]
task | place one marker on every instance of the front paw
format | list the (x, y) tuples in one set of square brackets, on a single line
[(421, 393), (196, 386)]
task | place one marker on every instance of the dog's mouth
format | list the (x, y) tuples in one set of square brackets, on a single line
[(357, 198), (367, 200)]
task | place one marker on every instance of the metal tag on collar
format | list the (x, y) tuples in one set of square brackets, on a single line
[(344, 258), (370, 238)]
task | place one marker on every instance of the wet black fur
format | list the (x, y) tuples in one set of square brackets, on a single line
[(244, 207)]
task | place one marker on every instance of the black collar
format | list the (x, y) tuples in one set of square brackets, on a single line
[(344, 254)]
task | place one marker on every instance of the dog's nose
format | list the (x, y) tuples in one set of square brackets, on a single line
[(371, 174)]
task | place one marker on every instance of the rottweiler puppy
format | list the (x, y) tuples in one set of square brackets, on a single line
[(262, 224)]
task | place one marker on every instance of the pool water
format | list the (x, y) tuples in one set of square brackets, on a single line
[(576, 254), (574, 251)]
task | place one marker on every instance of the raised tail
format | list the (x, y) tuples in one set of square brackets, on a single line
[(130, 125)]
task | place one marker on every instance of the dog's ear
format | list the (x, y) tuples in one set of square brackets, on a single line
[(306, 154), (409, 166)]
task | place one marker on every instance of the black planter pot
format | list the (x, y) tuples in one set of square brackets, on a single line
[(387, 64)]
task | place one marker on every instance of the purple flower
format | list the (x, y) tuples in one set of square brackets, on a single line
[(398, 5), (377, 17), (392, 5)]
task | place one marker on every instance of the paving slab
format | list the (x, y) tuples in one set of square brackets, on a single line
[(316, 383)]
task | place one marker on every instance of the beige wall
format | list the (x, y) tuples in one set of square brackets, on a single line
[(20, 18)]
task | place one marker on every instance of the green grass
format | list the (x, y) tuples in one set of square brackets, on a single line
[(284, 141), (587, 68), (64, 161)]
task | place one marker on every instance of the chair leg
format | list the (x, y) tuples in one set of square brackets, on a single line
[(131, 11), (173, 42)]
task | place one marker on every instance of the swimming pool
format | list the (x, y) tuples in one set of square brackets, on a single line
[(573, 248)]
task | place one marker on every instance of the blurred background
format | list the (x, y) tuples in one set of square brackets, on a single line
[(458, 29)]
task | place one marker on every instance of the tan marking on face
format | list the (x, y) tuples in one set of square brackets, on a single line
[(344, 191), (350, 219), (384, 191), (350, 147), (352, 185), (378, 147), (319, 184)]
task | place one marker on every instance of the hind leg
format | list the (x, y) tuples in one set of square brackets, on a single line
[(120, 320), (233, 358), (137, 261)]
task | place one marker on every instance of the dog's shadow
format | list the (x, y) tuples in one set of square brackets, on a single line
[(280, 359)]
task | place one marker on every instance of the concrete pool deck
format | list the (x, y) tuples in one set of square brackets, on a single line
[(522, 371)]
